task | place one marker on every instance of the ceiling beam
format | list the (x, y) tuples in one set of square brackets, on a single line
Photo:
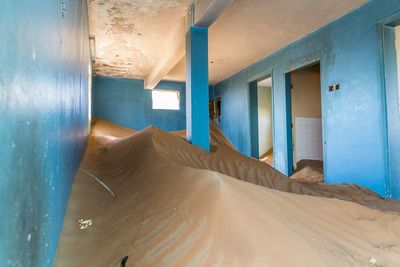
[(206, 12), (203, 13), (173, 53)]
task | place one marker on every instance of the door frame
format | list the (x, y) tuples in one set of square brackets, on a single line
[(386, 37), (253, 96), (289, 119)]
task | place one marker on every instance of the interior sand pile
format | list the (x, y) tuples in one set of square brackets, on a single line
[(177, 205), (309, 171)]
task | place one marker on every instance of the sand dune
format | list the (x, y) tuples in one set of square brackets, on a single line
[(177, 205)]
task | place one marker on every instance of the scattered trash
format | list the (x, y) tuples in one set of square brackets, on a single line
[(372, 260), (124, 260), (83, 224), (98, 180)]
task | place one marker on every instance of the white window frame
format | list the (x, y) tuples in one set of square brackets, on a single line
[(158, 104)]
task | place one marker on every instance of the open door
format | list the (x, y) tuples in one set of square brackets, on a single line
[(391, 43)]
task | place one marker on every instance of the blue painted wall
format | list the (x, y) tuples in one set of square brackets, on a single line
[(392, 100), (127, 103), (253, 100), (44, 57), (354, 117)]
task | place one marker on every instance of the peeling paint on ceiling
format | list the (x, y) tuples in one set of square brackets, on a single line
[(130, 34)]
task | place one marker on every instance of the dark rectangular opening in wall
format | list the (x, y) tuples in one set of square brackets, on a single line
[(214, 107), (306, 123)]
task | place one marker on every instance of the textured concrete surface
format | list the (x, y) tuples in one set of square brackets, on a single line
[(131, 35)]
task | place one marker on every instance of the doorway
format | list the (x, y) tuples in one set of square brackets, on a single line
[(391, 53), (261, 109), (305, 124), (265, 140)]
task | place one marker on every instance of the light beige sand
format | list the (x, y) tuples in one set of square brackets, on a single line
[(174, 206), (309, 171), (268, 157), (218, 138)]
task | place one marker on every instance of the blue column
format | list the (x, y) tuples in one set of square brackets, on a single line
[(289, 123), (253, 87), (197, 116)]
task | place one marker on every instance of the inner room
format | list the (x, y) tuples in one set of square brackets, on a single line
[(307, 123), (265, 127)]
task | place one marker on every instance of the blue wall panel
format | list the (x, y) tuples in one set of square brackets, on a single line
[(393, 105), (354, 117), (127, 103), (44, 58), (253, 98), (197, 88)]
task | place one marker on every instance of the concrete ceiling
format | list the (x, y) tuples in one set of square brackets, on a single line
[(131, 34)]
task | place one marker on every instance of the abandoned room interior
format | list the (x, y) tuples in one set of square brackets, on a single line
[(199, 133)]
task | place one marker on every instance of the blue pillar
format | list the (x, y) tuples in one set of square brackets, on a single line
[(253, 87), (289, 123), (197, 116)]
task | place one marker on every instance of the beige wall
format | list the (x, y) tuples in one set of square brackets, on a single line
[(306, 93), (264, 119), (306, 98)]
